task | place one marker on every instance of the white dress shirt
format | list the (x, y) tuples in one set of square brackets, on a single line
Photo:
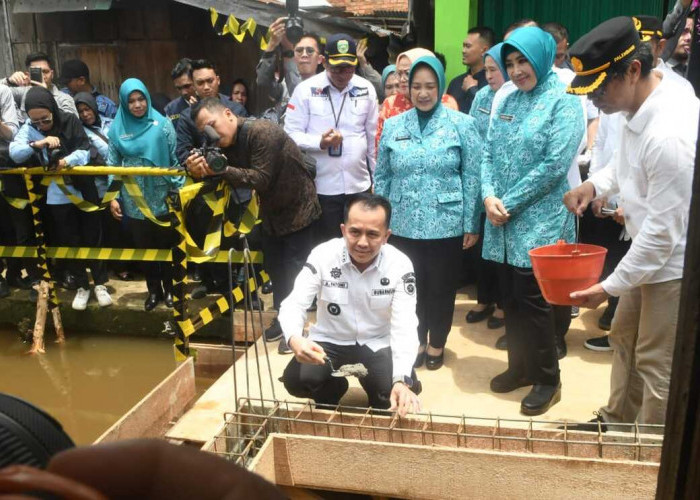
[(652, 170), (310, 114), (376, 307)]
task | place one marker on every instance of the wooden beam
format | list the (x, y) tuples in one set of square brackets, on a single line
[(409, 471)]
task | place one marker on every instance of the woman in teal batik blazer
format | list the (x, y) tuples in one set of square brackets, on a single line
[(496, 76), (428, 166), (532, 140)]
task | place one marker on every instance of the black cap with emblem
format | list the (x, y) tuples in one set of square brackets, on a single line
[(598, 50), (648, 27)]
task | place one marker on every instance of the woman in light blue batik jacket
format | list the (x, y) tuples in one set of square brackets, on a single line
[(533, 138), (496, 76), (141, 136), (488, 296), (428, 166)]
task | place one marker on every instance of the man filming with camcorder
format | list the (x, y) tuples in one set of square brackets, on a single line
[(261, 156)]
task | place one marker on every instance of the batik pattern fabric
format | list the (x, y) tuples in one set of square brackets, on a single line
[(154, 188), (481, 110), (531, 143), (431, 177)]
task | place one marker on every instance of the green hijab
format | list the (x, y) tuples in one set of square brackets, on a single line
[(536, 45), (139, 137), (435, 66)]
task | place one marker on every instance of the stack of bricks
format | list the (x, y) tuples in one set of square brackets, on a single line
[(369, 7)]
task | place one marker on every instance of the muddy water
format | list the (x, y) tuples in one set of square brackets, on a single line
[(88, 383)]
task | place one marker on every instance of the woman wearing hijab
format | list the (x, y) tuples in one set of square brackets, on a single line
[(488, 299), (390, 82), (58, 138), (140, 136), (401, 101), (428, 166), (533, 138)]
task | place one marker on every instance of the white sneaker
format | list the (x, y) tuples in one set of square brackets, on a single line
[(103, 297), (81, 299)]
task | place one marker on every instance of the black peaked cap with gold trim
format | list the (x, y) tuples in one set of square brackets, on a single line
[(648, 27), (597, 51)]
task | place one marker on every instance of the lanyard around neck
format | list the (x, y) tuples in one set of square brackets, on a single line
[(336, 117)]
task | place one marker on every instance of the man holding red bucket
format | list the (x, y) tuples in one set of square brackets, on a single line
[(652, 172)]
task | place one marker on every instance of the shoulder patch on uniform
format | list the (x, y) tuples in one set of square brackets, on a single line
[(311, 268), (409, 277), (291, 106)]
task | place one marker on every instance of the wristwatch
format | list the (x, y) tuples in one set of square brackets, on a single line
[(404, 379)]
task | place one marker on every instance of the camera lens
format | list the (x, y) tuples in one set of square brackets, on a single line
[(294, 28)]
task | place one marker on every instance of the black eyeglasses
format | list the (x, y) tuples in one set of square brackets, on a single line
[(43, 121), (309, 50)]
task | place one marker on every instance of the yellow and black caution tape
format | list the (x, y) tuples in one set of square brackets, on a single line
[(231, 26), (18, 203), (97, 170), (218, 307), (179, 261), (34, 196), (127, 254)]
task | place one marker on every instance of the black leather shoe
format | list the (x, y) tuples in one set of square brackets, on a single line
[(168, 300), (434, 362), (508, 382), (420, 359), (495, 323), (69, 282), (476, 316), (19, 282), (152, 301), (502, 343), (4, 289), (540, 399), (561, 347)]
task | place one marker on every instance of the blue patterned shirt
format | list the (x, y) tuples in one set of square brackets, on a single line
[(431, 177), (154, 188), (481, 110), (531, 143)]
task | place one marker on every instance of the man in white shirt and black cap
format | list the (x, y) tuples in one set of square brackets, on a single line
[(333, 117), (652, 173), (366, 292)]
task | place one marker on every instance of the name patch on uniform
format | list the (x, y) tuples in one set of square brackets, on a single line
[(507, 118), (335, 284), (378, 292), (484, 110), (404, 138), (358, 92)]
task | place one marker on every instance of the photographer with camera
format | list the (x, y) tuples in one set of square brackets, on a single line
[(58, 140), (262, 157), (141, 136)]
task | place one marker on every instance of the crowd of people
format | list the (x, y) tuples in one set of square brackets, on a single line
[(373, 187)]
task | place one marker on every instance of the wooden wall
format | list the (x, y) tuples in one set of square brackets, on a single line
[(143, 41)]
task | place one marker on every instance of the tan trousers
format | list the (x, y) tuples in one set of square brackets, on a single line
[(643, 337)]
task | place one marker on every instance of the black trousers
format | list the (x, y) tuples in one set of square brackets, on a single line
[(332, 210), (284, 258), (530, 327), (487, 288), (18, 229), (437, 264), (315, 381), (74, 228), (146, 234)]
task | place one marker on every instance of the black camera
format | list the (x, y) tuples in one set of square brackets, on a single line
[(294, 26), (54, 155), (211, 151)]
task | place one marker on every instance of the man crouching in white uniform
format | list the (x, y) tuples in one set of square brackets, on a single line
[(366, 293)]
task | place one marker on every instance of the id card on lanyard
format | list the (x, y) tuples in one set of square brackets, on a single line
[(336, 150)]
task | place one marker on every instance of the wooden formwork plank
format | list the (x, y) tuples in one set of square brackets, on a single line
[(409, 471), (151, 416)]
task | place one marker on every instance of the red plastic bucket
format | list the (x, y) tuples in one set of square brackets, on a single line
[(566, 267)]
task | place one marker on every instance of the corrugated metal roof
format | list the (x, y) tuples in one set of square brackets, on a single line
[(36, 6)]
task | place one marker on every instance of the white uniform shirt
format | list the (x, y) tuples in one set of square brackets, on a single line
[(376, 308), (309, 115), (652, 170)]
